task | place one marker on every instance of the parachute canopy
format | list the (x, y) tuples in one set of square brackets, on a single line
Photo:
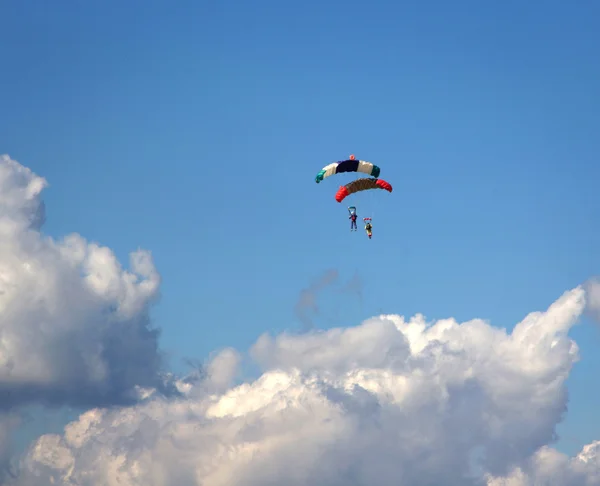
[(350, 165), (361, 185)]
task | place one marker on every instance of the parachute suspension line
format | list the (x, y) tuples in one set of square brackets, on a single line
[(359, 203), (369, 198), (374, 206)]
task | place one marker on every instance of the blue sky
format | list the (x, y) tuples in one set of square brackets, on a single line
[(196, 132)]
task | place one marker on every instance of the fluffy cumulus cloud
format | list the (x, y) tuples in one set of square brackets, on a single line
[(388, 402), (74, 327), (391, 401)]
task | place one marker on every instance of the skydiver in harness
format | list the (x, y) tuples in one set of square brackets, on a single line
[(368, 227), (352, 218)]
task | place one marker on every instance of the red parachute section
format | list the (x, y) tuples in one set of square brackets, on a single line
[(361, 185)]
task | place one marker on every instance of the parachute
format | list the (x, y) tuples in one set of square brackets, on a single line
[(361, 185), (350, 165), (357, 186)]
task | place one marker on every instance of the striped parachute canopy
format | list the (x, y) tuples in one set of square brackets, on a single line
[(350, 165)]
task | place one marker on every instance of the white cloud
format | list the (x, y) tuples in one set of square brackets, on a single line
[(548, 466), (389, 402), (73, 323)]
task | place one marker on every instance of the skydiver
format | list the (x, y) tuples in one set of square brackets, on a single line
[(368, 227), (352, 219)]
